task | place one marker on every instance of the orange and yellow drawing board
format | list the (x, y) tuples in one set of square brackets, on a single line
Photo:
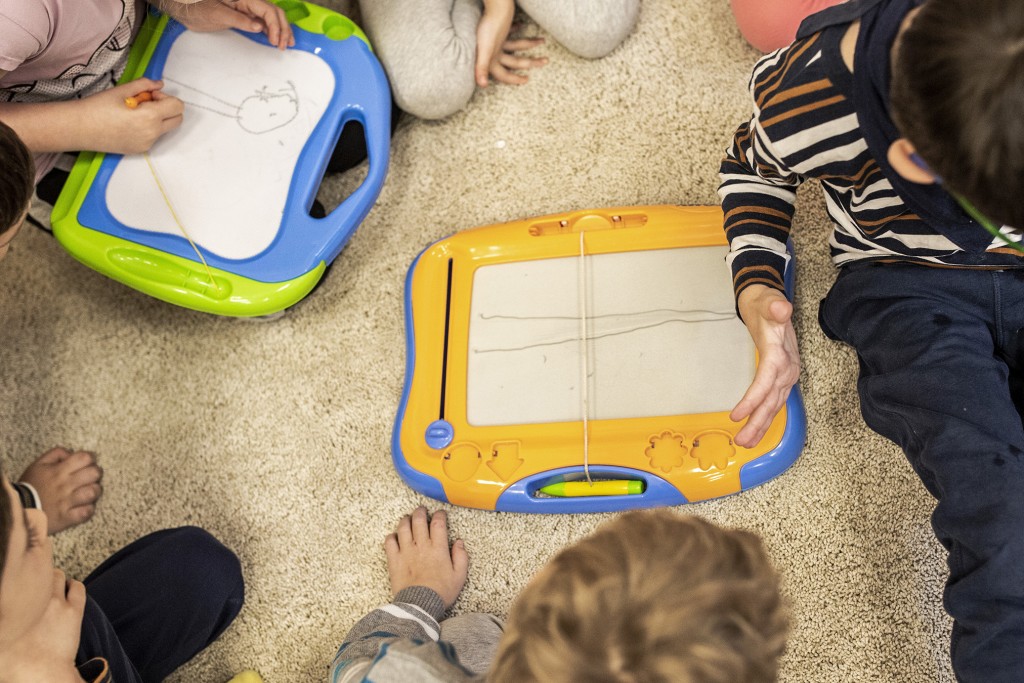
[(501, 321)]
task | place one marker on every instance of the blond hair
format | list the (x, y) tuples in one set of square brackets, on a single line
[(649, 597)]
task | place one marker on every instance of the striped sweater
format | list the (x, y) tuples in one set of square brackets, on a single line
[(806, 126)]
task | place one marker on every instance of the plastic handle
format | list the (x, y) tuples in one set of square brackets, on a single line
[(366, 98)]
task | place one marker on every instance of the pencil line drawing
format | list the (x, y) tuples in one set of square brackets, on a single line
[(686, 317), (712, 315), (265, 110)]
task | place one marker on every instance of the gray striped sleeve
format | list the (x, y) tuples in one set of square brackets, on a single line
[(411, 618)]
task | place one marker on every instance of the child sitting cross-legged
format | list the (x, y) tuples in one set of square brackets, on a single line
[(650, 596), (144, 611), (65, 484)]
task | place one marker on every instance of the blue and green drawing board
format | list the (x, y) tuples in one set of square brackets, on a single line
[(240, 174)]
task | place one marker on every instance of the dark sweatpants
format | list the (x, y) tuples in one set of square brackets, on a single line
[(158, 602), (941, 367)]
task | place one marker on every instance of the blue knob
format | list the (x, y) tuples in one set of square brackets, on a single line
[(439, 434)]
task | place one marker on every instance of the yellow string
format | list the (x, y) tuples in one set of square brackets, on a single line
[(177, 221), (584, 360)]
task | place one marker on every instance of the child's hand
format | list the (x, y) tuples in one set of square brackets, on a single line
[(98, 123), (418, 555), (768, 316), (253, 16), (47, 651), (495, 55), (68, 484), (115, 127)]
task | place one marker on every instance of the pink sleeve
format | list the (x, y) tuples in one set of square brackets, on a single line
[(21, 36), (771, 24)]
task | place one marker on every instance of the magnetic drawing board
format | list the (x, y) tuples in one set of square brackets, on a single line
[(660, 326), (233, 186), (228, 168), (500, 322)]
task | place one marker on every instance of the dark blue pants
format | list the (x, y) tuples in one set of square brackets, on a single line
[(158, 602), (941, 367)]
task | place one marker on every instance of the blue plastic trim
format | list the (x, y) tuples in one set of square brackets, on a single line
[(519, 497), (424, 483), (361, 94), (779, 459)]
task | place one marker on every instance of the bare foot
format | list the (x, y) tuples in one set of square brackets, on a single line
[(68, 483), (418, 555)]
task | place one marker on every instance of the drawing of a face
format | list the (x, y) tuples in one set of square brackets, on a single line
[(263, 111), (266, 110)]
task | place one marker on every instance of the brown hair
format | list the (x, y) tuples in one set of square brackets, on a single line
[(649, 597), (17, 178), (957, 94)]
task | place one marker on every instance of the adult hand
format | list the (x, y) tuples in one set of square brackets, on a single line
[(495, 54), (47, 651), (768, 316), (418, 555), (253, 16)]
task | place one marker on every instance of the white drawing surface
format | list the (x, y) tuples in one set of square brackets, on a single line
[(226, 171), (662, 337)]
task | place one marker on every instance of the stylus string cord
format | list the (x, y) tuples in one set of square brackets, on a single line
[(584, 360), (177, 221)]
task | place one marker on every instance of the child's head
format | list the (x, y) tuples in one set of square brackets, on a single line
[(26, 564), (17, 182), (649, 597), (958, 95)]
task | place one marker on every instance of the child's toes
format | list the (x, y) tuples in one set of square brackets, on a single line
[(86, 495), (68, 517), (53, 456), (90, 474), (68, 483), (80, 514), (78, 460)]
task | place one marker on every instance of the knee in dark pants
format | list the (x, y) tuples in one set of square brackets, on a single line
[(210, 574)]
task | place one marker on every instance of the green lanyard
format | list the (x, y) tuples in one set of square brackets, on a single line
[(986, 223)]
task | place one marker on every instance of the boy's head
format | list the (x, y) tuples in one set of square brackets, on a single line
[(957, 96), (650, 596), (26, 564), (17, 183)]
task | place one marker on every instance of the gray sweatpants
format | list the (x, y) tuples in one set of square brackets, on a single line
[(475, 638), (428, 47)]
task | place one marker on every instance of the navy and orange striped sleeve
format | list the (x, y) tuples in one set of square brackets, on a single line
[(758, 189)]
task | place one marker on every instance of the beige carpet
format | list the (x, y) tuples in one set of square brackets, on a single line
[(276, 436)]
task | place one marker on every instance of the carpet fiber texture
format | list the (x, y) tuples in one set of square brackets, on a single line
[(276, 436)]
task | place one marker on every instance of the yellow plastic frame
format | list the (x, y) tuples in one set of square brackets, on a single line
[(695, 453)]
